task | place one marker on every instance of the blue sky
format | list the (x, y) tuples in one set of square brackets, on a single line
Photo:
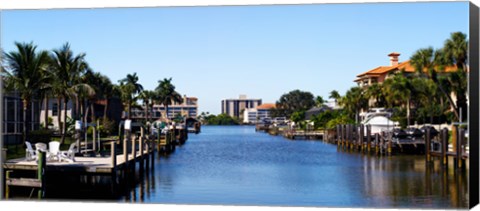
[(221, 52)]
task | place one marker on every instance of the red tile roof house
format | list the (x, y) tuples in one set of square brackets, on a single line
[(379, 74)]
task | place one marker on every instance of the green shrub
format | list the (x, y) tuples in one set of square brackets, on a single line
[(107, 127)]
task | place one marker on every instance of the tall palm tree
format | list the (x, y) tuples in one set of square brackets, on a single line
[(94, 80), (130, 88), (456, 52), (354, 101), (456, 49), (46, 91), (26, 69), (147, 97), (108, 92), (166, 94), (427, 60), (68, 69)]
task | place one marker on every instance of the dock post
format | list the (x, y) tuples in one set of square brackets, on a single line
[(7, 188), (369, 137), (348, 130), (389, 145), (141, 142), (125, 149), (361, 137), (352, 136), (444, 139), (113, 154), (338, 135), (134, 152), (382, 144), (342, 135), (94, 140), (347, 136), (427, 144), (41, 173), (147, 157), (345, 131), (458, 154), (377, 149)]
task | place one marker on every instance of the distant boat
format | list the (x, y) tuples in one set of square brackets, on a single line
[(379, 119)]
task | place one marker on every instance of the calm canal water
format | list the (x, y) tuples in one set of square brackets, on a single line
[(234, 165)]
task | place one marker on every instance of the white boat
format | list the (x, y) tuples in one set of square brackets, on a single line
[(379, 119)]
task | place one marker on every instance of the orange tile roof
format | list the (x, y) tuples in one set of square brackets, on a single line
[(407, 66), (376, 71), (266, 106), (410, 68)]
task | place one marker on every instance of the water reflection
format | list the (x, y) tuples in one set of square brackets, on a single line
[(237, 166)]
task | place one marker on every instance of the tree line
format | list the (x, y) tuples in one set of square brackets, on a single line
[(60, 74), (424, 96)]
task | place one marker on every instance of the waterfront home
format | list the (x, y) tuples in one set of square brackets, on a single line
[(379, 74), (53, 110), (13, 118), (254, 115), (315, 111)]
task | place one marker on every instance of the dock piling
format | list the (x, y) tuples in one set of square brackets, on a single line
[(444, 139), (369, 137), (427, 144)]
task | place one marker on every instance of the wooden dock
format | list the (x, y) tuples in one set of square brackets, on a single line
[(359, 138), (126, 154)]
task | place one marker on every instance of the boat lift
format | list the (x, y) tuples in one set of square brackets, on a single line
[(95, 141)]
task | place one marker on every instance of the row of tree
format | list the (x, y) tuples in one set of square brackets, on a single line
[(423, 96), (40, 75)]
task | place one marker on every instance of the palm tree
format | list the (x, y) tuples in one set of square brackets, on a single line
[(319, 101), (147, 97), (335, 95), (425, 93), (27, 69), (68, 69), (354, 101), (456, 52), (398, 92), (374, 91), (130, 88), (166, 94), (427, 60), (94, 80), (108, 92)]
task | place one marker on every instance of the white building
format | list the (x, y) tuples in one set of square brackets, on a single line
[(234, 107), (253, 115)]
